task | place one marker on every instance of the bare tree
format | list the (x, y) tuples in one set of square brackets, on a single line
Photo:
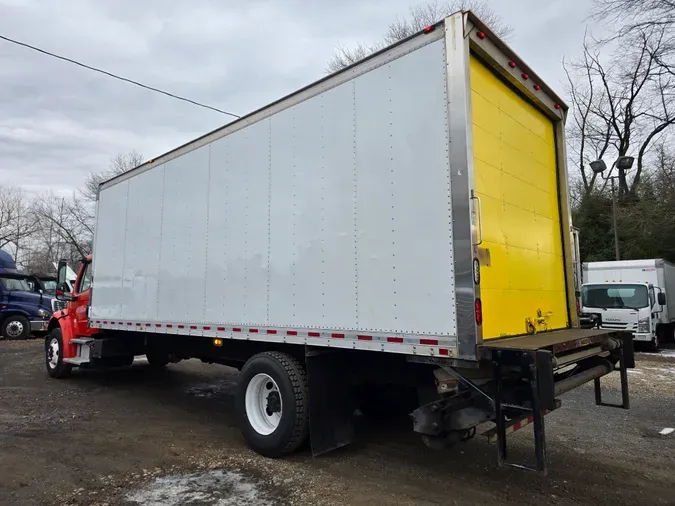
[(419, 16), (67, 224), (16, 222), (620, 104), (636, 14), (121, 163)]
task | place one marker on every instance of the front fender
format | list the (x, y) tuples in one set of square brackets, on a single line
[(61, 319)]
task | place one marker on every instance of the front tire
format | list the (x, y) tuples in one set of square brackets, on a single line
[(56, 368), (272, 404), (15, 327)]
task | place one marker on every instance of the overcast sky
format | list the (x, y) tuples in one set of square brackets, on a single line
[(58, 122)]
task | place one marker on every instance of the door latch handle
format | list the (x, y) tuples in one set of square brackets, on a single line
[(478, 211)]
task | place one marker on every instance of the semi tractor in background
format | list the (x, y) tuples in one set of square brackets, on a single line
[(401, 224), (22, 311), (631, 295)]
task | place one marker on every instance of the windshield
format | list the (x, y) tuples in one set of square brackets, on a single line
[(615, 296), (50, 286), (15, 285)]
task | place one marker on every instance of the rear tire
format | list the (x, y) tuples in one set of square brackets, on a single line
[(272, 404), (15, 327), (157, 358), (56, 368)]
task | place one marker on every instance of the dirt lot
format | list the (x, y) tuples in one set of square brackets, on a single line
[(139, 436)]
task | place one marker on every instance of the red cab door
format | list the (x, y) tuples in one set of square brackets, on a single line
[(79, 304)]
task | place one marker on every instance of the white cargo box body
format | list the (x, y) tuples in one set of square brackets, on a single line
[(343, 215), (657, 272)]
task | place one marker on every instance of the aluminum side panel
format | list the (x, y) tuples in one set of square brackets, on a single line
[(109, 250), (312, 278), (141, 264), (183, 250), (403, 224), (244, 239)]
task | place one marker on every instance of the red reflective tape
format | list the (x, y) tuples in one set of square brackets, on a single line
[(147, 324), (206, 328), (516, 426), (394, 339), (104, 322), (169, 326), (236, 329), (429, 342), (443, 351), (364, 338), (253, 331), (291, 333), (181, 326), (221, 328), (530, 419), (138, 324), (158, 324), (314, 334), (271, 331), (338, 336), (112, 323), (193, 327), (129, 323)]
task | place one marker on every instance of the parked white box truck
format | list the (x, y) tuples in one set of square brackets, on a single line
[(632, 295), (396, 236)]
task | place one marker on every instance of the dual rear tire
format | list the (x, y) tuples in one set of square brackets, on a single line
[(272, 404)]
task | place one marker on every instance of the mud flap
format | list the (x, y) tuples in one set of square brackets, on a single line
[(331, 408)]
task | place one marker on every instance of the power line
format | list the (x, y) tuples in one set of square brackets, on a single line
[(114, 76)]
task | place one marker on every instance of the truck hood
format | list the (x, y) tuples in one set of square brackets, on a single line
[(619, 319), (29, 299)]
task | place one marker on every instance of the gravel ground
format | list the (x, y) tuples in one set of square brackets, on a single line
[(140, 436)]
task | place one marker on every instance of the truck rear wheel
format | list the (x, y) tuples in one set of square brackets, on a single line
[(56, 368), (272, 403), (157, 358), (15, 327)]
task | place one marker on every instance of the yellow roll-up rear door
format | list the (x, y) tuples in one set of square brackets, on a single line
[(515, 174)]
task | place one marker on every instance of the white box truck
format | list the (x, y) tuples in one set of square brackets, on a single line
[(631, 295), (396, 236)]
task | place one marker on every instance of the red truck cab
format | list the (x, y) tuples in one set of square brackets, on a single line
[(70, 323)]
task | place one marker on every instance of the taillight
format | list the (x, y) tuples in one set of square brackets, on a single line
[(478, 308), (578, 308)]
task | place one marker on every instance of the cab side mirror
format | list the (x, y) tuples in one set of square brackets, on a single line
[(661, 298), (63, 292)]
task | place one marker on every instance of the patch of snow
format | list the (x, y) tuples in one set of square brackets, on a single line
[(141, 359), (669, 370), (211, 488), (666, 431), (662, 353), (634, 371)]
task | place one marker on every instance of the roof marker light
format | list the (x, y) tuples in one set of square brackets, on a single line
[(525, 76), (537, 87), (558, 106), (429, 29), (512, 64), (481, 35)]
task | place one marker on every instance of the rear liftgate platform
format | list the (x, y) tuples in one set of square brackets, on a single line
[(550, 364)]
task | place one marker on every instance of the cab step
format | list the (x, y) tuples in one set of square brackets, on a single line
[(76, 360), (83, 351), (82, 340)]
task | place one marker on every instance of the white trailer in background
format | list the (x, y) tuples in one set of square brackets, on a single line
[(633, 295)]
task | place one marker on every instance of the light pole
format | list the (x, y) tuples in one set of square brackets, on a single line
[(624, 163)]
